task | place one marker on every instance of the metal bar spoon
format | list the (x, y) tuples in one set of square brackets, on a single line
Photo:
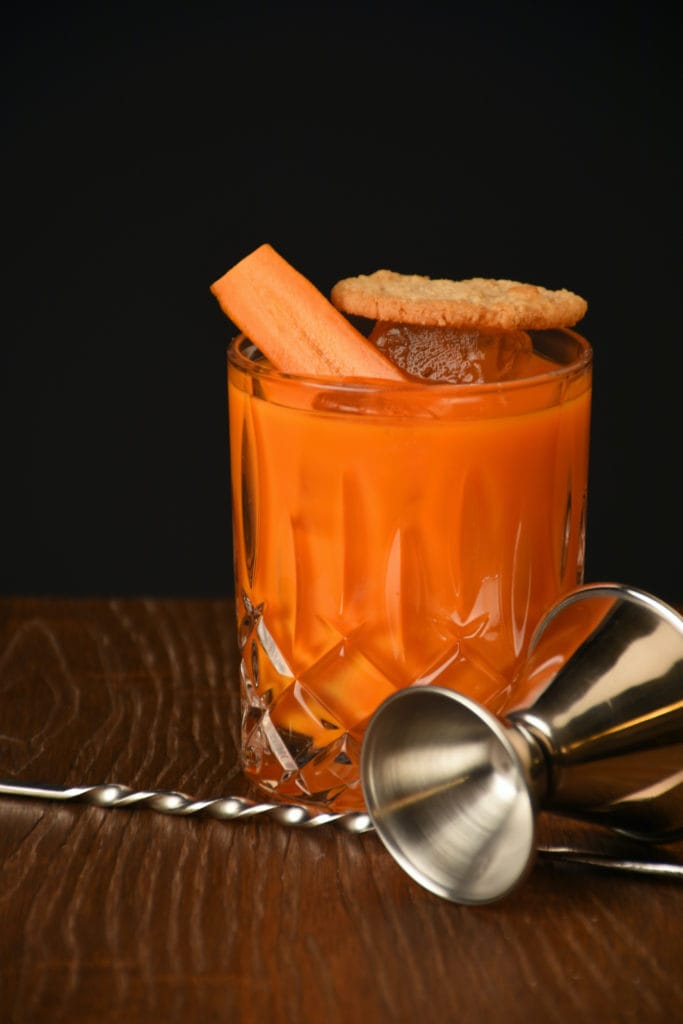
[(110, 795)]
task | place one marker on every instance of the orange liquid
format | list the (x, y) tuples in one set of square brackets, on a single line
[(386, 537)]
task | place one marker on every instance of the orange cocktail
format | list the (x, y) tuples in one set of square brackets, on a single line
[(392, 534)]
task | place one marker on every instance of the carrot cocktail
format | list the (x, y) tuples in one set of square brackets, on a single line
[(397, 531)]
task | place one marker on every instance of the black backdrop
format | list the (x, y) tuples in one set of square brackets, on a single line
[(148, 147)]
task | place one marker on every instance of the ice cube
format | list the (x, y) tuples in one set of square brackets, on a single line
[(454, 355)]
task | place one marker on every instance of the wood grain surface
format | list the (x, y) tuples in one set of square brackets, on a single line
[(132, 916)]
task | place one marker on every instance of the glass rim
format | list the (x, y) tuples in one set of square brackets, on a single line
[(579, 365)]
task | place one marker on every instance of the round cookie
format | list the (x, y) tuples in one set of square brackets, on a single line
[(477, 302)]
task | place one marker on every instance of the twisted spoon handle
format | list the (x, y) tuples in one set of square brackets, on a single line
[(232, 808), (228, 808)]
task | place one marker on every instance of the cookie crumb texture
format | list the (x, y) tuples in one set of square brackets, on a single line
[(477, 302)]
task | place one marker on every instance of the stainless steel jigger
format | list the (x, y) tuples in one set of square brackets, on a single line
[(454, 793)]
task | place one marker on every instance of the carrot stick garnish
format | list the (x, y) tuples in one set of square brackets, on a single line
[(293, 324)]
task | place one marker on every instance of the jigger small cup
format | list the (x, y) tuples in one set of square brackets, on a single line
[(454, 792)]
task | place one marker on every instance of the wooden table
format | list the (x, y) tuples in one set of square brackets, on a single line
[(131, 915)]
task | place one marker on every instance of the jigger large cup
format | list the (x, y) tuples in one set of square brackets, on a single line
[(454, 792)]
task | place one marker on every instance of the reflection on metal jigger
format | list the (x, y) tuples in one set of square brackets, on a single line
[(597, 734)]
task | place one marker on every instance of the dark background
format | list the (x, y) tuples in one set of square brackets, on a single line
[(148, 148)]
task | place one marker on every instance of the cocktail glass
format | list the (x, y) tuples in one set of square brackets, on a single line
[(390, 535)]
